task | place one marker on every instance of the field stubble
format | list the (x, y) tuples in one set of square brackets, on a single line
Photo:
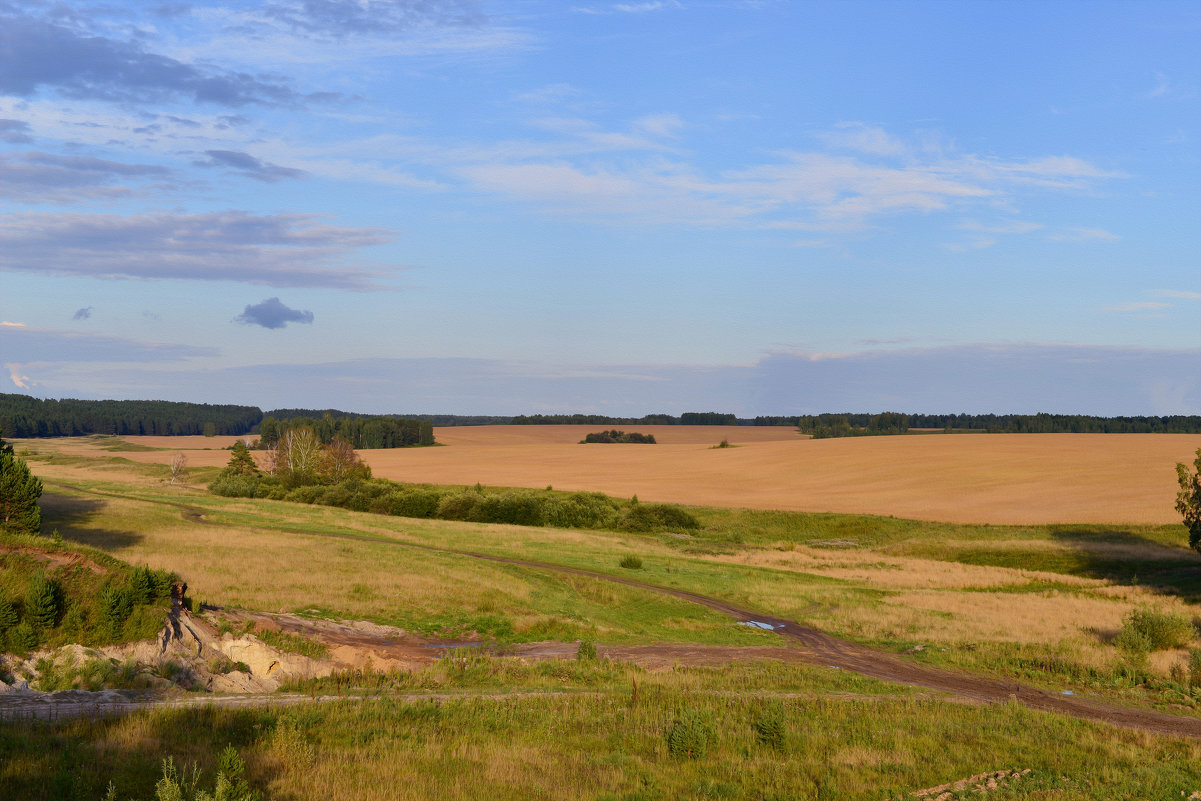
[(963, 478)]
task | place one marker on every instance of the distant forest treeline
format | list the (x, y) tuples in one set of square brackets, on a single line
[(25, 416), (860, 425)]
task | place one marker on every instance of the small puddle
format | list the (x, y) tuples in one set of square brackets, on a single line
[(759, 624)]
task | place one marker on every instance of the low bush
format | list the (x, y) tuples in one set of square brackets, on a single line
[(473, 504), (631, 562), (656, 517), (1150, 629)]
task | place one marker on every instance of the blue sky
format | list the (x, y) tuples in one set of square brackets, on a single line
[(505, 207)]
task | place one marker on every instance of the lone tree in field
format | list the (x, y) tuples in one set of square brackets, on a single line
[(179, 467), (1188, 500), (19, 493)]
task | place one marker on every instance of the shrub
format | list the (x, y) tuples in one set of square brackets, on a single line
[(579, 510), (1157, 629), (586, 652), (235, 486), (514, 508), (656, 517), (1194, 667), (631, 562), (689, 735), (413, 503), (458, 506)]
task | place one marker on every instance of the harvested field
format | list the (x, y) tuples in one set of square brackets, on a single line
[(984, 478), (968, 478)]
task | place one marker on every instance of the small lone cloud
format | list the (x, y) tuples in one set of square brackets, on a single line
[(271, 313), (83, 313), (12, 325)]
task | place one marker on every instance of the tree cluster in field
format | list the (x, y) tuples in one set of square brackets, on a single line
[(619, 436), (357, 491), (296, 459), (360, 432), (72, 604), (861, 425), (24, 416)]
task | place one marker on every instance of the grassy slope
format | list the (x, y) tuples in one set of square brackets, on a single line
[(847, 574)]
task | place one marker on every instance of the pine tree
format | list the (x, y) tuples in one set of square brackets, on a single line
[(241, 463), (19, 493), (43, 601), (8, 615)]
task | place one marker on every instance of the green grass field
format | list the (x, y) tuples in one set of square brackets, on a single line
[(1040, 604)]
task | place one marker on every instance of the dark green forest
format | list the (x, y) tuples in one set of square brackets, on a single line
[(23, 416)]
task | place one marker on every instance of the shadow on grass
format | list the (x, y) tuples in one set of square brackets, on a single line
[(69, 516), (78, 759), (1116, 555)]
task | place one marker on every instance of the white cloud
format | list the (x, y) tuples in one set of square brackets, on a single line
[(277, 250)]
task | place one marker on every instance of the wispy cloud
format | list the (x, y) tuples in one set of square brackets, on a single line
[(1140, 306), (645, 181), (36, 177), (277, 250), (38, 54), (1084, 235), (247, 165), (83, 314), (343, 18)]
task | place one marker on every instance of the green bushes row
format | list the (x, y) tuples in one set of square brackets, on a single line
[(475, 505)]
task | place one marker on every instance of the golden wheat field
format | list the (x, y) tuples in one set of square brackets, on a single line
[(967, 478)]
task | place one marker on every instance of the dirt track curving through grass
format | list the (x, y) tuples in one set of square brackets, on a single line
[(815, 646)]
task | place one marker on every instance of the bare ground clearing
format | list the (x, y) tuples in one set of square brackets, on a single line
[(977, 478)]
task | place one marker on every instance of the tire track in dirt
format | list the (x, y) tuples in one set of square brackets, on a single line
[(819, 648)]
